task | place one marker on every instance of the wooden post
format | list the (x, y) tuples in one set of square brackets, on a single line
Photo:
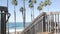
[(44, 23), (3, 11)]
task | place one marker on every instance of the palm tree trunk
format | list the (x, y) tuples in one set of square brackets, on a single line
[(50, 18), (7, 17), (33, 11), (31, 15), (39, 11), (24, 13), (15, 18)]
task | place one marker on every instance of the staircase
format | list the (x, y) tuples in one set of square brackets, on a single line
[(45, 23)]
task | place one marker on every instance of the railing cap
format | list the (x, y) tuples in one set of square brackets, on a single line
[(48, 13), (3, 8)]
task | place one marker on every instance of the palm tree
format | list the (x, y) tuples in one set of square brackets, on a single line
[(31, 5), (14, 2), (48, 2), (40, 6), (22, 11), (45, 4)]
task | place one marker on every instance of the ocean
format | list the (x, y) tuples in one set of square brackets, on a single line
[(19, 26)]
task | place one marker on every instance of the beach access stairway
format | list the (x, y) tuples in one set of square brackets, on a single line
[(45, 23)]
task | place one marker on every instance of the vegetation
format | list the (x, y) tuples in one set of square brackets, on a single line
[(14, 2), (47, 2), (23, 11), (31, 6)]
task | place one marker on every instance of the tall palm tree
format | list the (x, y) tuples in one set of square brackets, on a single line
[(31, 6), (22, 11), (14, 2), (33, 2)]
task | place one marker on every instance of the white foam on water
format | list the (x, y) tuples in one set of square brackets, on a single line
[(13, 30)]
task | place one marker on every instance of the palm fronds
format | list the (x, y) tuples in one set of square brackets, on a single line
[(33, 1), (14, 2), (22, 9), (39, 8), (47, 2), (30, 5)]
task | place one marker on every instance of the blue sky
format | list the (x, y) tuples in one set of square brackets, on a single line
[(55, 6)]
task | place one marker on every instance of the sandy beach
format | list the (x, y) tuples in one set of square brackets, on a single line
[(12, 31)]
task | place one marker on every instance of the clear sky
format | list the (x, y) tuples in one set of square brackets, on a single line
[(55, 6)]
